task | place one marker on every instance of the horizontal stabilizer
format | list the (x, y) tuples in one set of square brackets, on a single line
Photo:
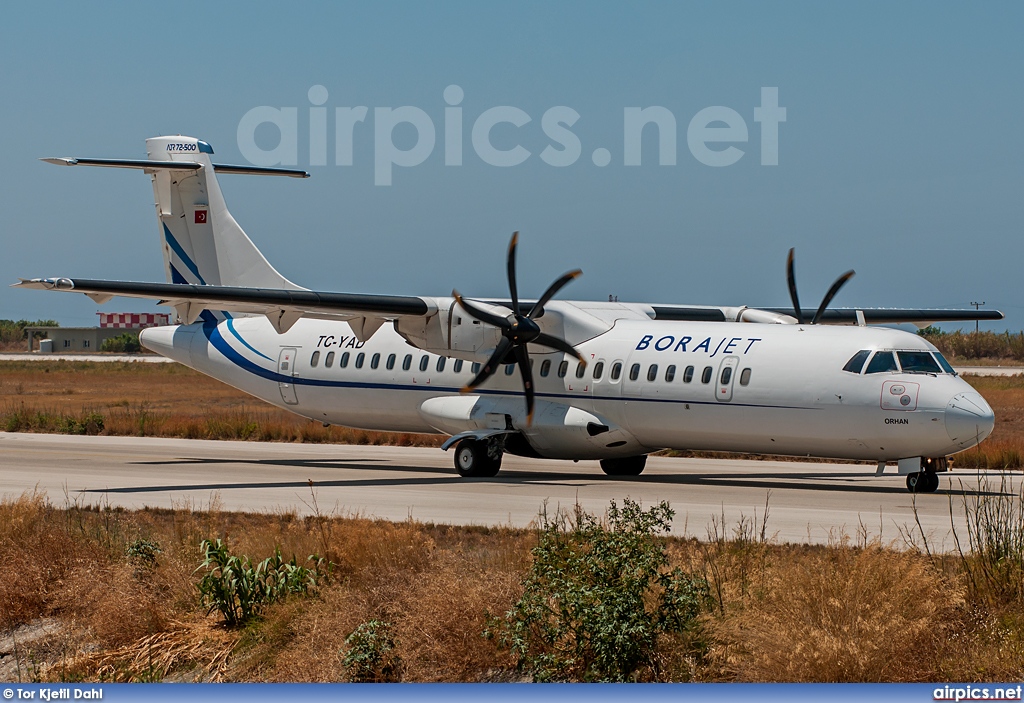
[(147, 165)]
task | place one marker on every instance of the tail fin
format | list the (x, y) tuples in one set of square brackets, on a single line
[(202, 242)]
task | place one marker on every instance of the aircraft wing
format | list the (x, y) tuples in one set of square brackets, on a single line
[(283, 307), (921, 317)]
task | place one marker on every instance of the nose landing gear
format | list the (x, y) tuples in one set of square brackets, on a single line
[(927, 479)]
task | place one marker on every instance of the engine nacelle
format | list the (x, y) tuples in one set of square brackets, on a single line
[(452, 332)]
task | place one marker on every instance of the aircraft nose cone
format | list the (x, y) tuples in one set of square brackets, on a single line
[(969, 419)]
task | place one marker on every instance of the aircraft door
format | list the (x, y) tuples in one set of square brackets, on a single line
[(726, 376), (286, 367)]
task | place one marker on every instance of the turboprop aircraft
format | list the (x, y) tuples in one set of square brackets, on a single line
[(596, 380)]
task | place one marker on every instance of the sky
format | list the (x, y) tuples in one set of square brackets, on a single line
[(901, 155)]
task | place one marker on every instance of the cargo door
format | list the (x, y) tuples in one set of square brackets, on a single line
[(286, 368)]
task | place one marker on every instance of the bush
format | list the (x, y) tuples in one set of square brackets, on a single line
[(241, 591), (370, 657), (597, 598), (127, 343)]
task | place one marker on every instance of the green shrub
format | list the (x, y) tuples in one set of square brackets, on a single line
[(369, 654), (241, 591), (126, 343), (597, 597)]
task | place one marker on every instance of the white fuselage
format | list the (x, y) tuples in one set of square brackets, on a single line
[(786, 393)]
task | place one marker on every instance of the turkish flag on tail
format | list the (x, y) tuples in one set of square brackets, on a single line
[(200, 217)]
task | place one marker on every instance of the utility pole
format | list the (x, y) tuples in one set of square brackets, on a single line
[(977, 306)]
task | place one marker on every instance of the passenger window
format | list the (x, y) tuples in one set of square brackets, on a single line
[(359, 360), (616, 370), (598, 370), (856, 362), (581, 369), (407, 362), (545, 367), (329, 361), (745, 377), (917, 362), (510, 369), (943, 363), (424, 362), (440, 363), (458, 366), (634, 372), (315, 359), (882, 362), (343, 362), (705, 377), (391, 361), (563, 368), (652, 372), (688, 374), (375, 361), (726, 375), (670, 374), (475, 368)]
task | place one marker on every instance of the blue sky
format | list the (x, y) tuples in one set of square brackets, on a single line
[(901, 156)]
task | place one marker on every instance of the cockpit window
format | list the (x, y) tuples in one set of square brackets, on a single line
[(856, 362), (882, 362), (918, 362), (943, 363)]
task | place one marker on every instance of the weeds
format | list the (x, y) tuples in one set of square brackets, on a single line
[(369, 654)]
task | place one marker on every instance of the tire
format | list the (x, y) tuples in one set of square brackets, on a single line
[(923, 482), (477, 459), (932, 484), (625, 466)]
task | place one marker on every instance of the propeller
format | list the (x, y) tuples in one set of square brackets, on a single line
[(518, 330), (791, 280)]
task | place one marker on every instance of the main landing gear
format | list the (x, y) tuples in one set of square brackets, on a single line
[(478, 458), (624, 466)]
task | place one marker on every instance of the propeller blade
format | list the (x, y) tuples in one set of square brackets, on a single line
[(523, 359), (561, 345), (482, 315), (538, 307), (840, 282), (791, 280), (512, 288), (490, 367)]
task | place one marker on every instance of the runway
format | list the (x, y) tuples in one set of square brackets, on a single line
[(807, 502)]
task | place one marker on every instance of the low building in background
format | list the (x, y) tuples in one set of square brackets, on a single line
[(90, 339)]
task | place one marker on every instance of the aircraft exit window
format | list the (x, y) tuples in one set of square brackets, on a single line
[(688, 374), (598, 370), (329, 361), (343, 362), (545, 367), (616, 370), (458, 366), (390, 362), (359, 360), (563, 369), (705, 377), (440, 363), (581, 369), (856, 362), (375, 361), (634, 372), (943, 363), (652, 372), (882, 362), (475, 368), (315, 359), (407, 362), (424, 362), (745, 377), (670, 374), (510, 369), (917, 362), (726, 375)]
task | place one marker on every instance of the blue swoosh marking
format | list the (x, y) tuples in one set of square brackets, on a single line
[(212, 333), (176, 248), (254, 350)]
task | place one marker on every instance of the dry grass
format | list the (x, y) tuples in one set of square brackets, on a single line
[(840, 612)]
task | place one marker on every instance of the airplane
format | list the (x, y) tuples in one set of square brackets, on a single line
[(597, 380)]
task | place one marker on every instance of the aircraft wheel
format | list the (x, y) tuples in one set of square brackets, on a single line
[(933, 482), (475, 458), (625, 466)]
